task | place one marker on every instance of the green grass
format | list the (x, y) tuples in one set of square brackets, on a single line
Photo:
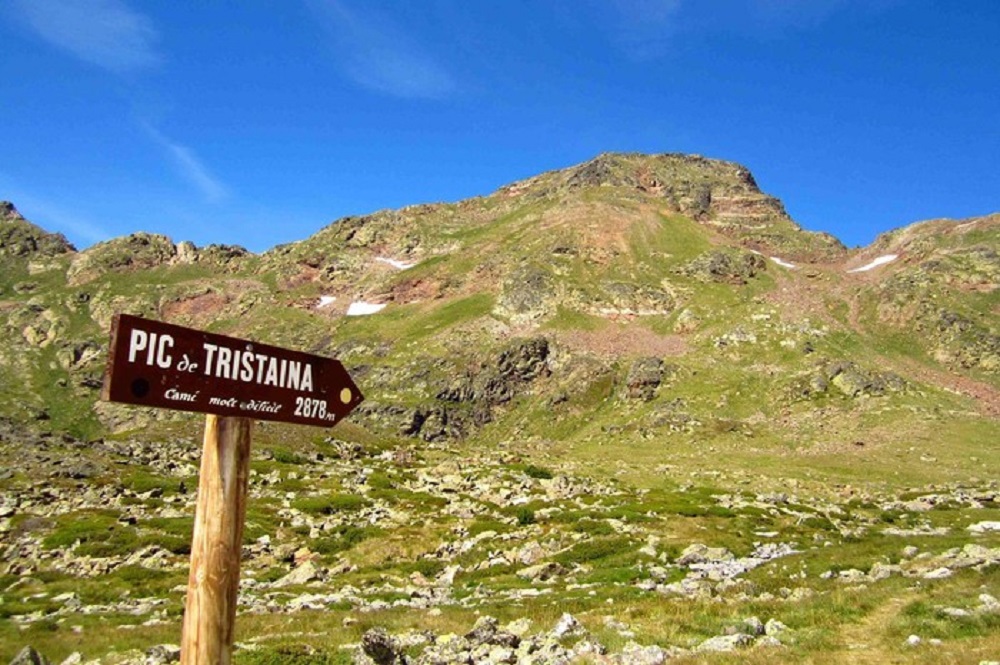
[(330, 504)]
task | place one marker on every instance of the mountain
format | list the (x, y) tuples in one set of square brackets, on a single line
[(648, 327), (672, 266)]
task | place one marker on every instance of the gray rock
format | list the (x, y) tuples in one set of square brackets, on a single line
[(644, 377), (699, 553), (380, 646), (937, 573), (636, 654), (29, 656), (567, 625), (161, 654), (542, 572), (882, 571), (984, 527), (754, 626), (773, 628), (725, 643), (303, 574), (484, 631)]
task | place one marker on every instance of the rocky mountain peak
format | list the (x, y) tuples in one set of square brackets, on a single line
[(19, 237), (8, 211), (719, 194)]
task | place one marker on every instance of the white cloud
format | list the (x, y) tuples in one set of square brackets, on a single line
[(107, 33), (643, 28), (377, 54), (647, 29), (188, 166)]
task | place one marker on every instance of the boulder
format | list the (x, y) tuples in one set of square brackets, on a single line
[(29, 656)]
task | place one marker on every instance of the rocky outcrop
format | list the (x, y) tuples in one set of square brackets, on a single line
[(644, 378), (847, 379), (727, 266), (527, 295), (965, 342), (468, 401), (21, 238), (137, 251)]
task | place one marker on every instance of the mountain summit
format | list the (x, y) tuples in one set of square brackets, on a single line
[(668, 277), (634, 390)]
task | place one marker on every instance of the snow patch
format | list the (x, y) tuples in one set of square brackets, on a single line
[(325, 301), (783, 264), (362, 308), (880, 261), (399, 265)]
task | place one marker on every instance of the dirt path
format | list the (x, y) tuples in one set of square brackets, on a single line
[(986, 396), (862, 641)]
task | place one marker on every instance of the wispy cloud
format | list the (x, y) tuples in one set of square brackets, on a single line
[(376, 53), (646, 29), (643, 28), (189, 167), (107, 33)]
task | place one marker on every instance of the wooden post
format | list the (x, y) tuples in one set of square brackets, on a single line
[(210, 612)]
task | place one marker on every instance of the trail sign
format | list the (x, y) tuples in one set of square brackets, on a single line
[(163, 365), (233, 381)]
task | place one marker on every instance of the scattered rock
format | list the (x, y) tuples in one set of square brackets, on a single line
[(644, 377), (725, 643), (303, 574), (725, 265), (567, 625), (542, 572), (984, 527), (162, 654), (29, 656), (380, 647)]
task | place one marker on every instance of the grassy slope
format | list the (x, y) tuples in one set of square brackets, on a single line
[(741, 432)]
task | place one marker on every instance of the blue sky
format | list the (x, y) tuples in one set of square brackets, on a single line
[(259, 122)]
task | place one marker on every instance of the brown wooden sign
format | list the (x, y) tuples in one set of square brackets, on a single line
[(167, 366)]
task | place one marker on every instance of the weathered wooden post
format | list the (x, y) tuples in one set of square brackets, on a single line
[(151, 363), (213, 584)]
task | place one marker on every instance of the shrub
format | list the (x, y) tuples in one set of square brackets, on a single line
[(537, 472)]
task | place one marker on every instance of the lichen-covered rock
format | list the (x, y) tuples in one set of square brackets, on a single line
[(29, 656), (378, 647), (644, 378), (527, 295), (133, 252), (725, 265), (846, 378), (966, 342)]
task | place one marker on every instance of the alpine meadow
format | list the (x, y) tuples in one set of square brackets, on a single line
[(624, 412)]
